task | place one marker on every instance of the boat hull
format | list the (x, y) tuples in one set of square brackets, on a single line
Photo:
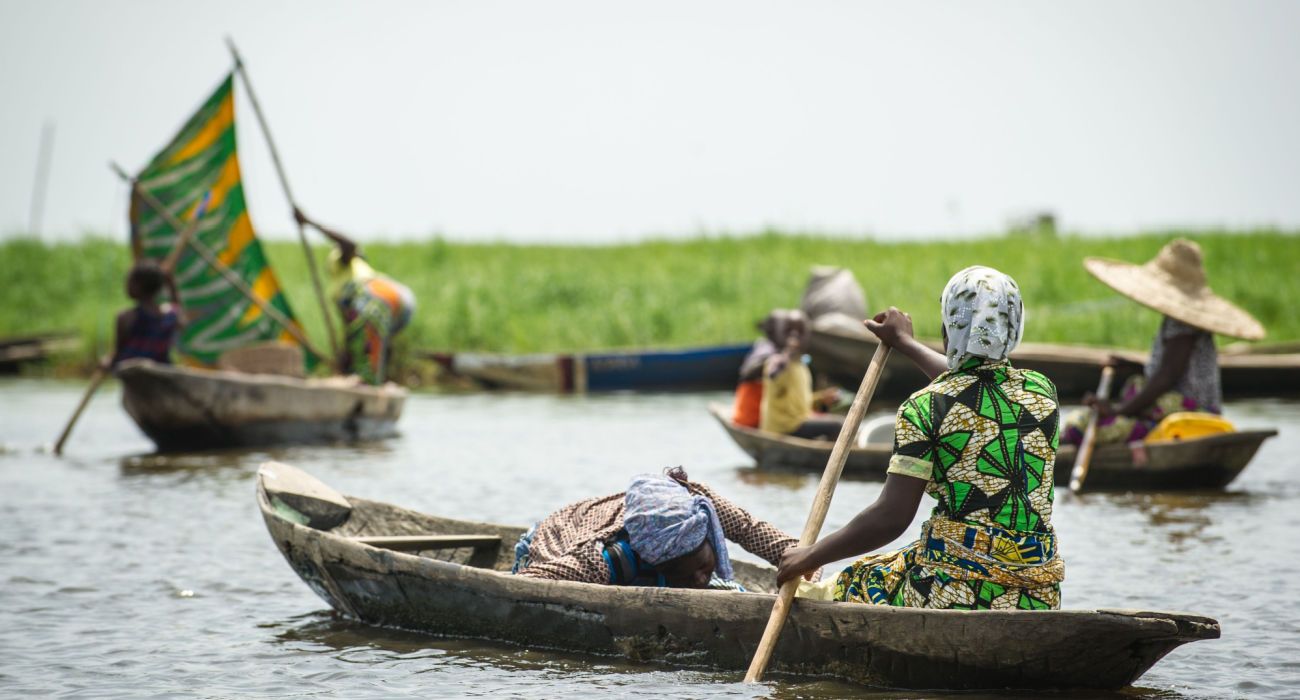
[(188, 409), (690, 369), (872, 645), (1205, 463), (15, 351), (842, 356)]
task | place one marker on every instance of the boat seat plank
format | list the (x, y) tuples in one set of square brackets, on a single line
[(485, 547), (415, 543)]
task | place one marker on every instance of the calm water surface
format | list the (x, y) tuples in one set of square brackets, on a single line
[(127, 573)]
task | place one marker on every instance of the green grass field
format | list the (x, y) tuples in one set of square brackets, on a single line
[(529, 298)]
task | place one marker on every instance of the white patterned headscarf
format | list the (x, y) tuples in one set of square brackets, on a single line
[(983, 315)]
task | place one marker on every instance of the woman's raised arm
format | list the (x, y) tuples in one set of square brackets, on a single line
[(894, 328)]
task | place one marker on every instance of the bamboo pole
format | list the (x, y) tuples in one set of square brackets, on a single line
[(169, 262), (288, 194), (100, 375), (821, 504), (206, 253), (1084, 458)]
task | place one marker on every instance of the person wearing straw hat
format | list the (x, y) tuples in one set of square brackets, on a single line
[(1182, 373)]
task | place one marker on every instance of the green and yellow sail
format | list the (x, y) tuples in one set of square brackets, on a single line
[(202, 158)]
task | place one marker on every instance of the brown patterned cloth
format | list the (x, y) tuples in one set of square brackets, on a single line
[(568, 544)]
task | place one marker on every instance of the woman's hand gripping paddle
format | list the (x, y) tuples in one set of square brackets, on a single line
[(1084, 457), (821, 504)]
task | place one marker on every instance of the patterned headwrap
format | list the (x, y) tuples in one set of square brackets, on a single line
[(982, 314), (665, 521)]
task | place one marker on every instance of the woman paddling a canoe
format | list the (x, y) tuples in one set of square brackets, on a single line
[(663, 531), (1182, 373), (980, 439)]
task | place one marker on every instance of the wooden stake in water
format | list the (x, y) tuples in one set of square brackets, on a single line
[(821, 504), (37, 212)]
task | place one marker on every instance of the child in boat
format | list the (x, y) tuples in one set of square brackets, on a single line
[(981, 441), (374, 307), (1182, 373), (749, 391), (747, 410), (663, 531), (148, 329), (787, 402)]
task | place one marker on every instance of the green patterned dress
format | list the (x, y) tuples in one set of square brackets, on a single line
[(984, 436)]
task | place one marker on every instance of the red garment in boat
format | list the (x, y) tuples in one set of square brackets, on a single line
[(749, 401)]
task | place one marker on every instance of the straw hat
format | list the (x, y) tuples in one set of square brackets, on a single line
[(1173, 283)]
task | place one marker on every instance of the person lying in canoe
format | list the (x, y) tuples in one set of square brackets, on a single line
[(148, 329), (663, 531), (981, 440), (1182, 373), (374, 307), (787, 402)]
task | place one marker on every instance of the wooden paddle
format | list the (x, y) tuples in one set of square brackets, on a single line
[(98, 378), (168, 264), (821, 504), (1084, 457)]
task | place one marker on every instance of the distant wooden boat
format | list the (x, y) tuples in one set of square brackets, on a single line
[(698, 369), (182, 408), (1205, 463), (842, 354), (773, 451), (16, 350), (389, 566)]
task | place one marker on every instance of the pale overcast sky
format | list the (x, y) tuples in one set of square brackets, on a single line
[(593, 121)]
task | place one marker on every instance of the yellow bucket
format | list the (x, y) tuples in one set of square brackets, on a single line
[(1189, 425)]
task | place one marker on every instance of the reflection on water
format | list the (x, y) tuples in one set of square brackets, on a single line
[(352, 642), (1182, 517), (162, 462), (129, 573), (774, 478)]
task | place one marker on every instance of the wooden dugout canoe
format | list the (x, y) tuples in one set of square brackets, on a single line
[(841, 354), (469, 592), (1205, 463), (16, 350), (685, 369), (182, 408)]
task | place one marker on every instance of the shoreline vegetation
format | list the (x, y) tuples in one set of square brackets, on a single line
[(522, 298)]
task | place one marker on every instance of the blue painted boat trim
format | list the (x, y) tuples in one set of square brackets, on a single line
[(715, 367)]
